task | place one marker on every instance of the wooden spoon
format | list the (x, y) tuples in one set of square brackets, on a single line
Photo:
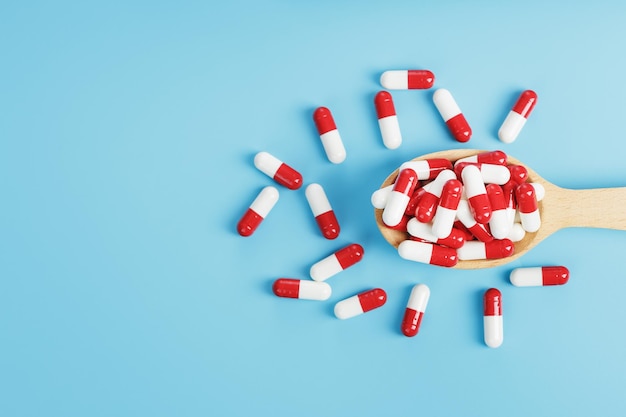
[(560, 208)]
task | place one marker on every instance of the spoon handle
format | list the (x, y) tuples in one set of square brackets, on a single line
[(601, 207)]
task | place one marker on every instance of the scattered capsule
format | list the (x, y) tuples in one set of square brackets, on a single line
[(476, 193), (415, 308), (427, 169), (516, 119), (455, 239), (491, 173), (428, 253), (444, 217), (527, 207), (322, 211), (491, 157), (496, 249), (278, 170), (500, 223), (407, 79), (465, 216), (492, 318), (331, 140), (302, 289), (360, 303), (388, 120), (399, 197), (427, 205), (380, 196), (539, 276), (258, 210), (452, 116), (333, 264)]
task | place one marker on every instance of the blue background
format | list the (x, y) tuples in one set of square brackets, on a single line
[(127, 134)]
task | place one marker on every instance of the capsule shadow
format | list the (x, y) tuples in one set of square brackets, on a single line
[(478, 312)]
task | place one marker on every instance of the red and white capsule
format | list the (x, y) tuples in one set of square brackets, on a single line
[(424, 231), (528, 207), (322, 211), (407, 79), (465, 216), (302, 289), (446, 210), (516, 119), (428, 253), (399, 197), (388, 120), (452, 116), (427, 204), (539, 276), (415, 308), (258, 210), (476, 193), (360, 303), (428, 169), (496, 249), (333, 264), (500, 223), (493, 325), (331, 139), (278, 170), (491, 157), (491, 173)]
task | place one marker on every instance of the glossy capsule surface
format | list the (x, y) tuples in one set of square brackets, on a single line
[(500, 223), (491, 173), (388, 120), (476, 193), (539, 276), (428, 169), (322, 211), (329, 135), (399, 197), (258, 210), (495, 249), (428, 253), (407, 79), (444, 218), (424, 231), (516, 118), (490, 157), (528, 207), (452, 116), (302, 289), (360, 303), (465, 216), (333, 264), (492, 318), (427, 205), (279, 171), (415, 308)]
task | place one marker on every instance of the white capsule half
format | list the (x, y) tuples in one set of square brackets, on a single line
[(493, 331), (333, 146), (511, 127), (326, 268), (379, 197), (390, 131), (265, 201)]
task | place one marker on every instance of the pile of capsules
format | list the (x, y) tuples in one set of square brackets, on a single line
[(472, 208)]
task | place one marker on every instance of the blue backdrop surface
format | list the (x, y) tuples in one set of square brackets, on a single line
[(127, 137)]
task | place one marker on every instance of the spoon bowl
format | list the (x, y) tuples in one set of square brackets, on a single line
[(560, 208)]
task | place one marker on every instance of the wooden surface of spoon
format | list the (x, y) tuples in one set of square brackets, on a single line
[(560, 208)]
